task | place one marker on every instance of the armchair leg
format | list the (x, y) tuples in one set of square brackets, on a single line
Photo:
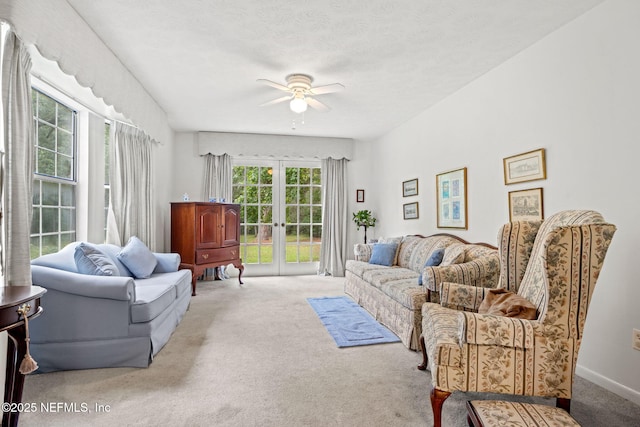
[(563, 403), (425, 360), (437, 399)]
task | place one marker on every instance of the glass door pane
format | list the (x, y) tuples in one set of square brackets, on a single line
[(302, 204), (253, 190)]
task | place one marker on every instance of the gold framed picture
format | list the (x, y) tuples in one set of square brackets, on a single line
[(526, 205), (451, 199), (525, 167)]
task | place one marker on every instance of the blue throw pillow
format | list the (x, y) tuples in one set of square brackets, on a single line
[(434, 260), (137, 257), (90, 260), (383, 254)]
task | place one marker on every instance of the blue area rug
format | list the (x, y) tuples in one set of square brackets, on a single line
[(348, 323)]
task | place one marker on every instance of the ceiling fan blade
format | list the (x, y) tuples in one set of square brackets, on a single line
[(276, 101), (317, 105), (320, 90), (274, 84)]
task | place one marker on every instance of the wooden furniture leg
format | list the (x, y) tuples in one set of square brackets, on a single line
[(425, 360), (437, 399)]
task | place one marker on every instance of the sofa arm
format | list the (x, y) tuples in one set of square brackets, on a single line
[(110, 287), (482, 272), (487, 329), (461, 297), (362, 251), (167, 262)]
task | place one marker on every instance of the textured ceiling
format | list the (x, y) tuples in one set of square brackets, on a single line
[(199, 59)]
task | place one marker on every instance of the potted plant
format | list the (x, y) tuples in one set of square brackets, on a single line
[(364, 218)]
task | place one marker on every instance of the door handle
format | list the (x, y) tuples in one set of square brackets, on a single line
[(275, 224), (282, 224)]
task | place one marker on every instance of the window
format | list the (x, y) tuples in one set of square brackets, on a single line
[(54, 194)]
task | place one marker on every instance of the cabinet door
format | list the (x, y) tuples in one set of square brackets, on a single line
[(208, 226), (231, 229)]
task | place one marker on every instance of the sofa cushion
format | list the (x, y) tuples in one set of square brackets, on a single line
[(378, 278), (151, 300), (360, 267), (454, 254), (91, 260), (397, 241), (434, 260), (383, 254), (137, 257)]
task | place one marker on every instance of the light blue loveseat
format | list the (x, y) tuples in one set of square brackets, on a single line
[(92, 321)]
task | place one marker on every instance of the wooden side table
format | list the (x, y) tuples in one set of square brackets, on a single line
[(11, 299)]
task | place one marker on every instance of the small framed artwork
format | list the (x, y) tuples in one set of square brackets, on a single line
[(525, 167), (410, 210), (526, 205), (360, 196), (451, 199), (410, 188)]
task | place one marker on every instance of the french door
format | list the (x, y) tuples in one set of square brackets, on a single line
[(281, 215)]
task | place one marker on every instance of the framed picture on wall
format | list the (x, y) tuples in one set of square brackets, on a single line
[(451, 199), (526, 205), (410, 188), (410, 210), (525, 167), (360, 196)]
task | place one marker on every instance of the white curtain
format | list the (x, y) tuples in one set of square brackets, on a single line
[(131, 202), (19, 161), (218, 177), (333, 251)]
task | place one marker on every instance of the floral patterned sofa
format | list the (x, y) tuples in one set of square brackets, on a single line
[(392, 293)]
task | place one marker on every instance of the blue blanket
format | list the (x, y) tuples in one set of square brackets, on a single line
[(348, 323)]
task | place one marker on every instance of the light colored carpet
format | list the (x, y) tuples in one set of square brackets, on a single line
[(258, 355)]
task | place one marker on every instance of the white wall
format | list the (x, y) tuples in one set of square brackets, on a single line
[(576, 94)]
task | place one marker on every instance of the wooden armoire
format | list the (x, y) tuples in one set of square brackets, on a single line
[(206, 235)]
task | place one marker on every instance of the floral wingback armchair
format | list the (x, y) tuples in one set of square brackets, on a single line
[(467, 351)]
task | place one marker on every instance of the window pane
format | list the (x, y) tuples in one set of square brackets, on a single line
[(292, 214), (67, 195), (36, 192), (238, 194), (305, 193), (67, 238), (266, 175), (251, 194), (46, 136), (316, 214), (46, 109), (305, 176), (49, 193), (49, 244), (252, 215), (316, 176), (67, 219), (64, 167), (266, 254), (291, 195), (50, 220), (35, 221), (266, 214), (65, 117), (253, 174), (292, 175), (305, 214), (46, 162), (65, 144), (316, 197), (266, 196), (34, 247)]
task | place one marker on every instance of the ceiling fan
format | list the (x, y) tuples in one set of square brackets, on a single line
[(301, 93)]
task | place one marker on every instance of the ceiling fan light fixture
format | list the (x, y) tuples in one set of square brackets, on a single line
[(298, 104)]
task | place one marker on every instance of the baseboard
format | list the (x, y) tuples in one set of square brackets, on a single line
[(612, 386)]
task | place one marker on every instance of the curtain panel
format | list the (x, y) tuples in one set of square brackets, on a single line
[(218, 177), (19, 161), (131, 201), (333, 251)]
